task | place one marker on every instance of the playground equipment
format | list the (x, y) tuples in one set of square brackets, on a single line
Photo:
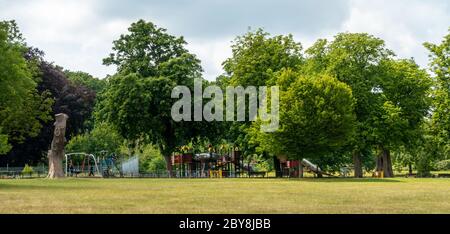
[(296, 168), (109, 166), (212, 165), (105, 165), (311, 167), (88, 165)]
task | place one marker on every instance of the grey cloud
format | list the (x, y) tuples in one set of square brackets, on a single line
[(223, 18)]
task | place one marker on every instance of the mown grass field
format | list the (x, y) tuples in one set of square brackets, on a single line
[(399, 195)]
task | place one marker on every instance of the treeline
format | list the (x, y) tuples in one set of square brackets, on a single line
[(346, 102)]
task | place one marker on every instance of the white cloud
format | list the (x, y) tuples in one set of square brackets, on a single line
[(212, 53), (404, 24)]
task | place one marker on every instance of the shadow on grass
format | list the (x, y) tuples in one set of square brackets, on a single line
[(47, 186), (347, 180)]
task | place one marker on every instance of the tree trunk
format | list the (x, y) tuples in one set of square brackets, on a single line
[(56, 152), (277, 167), (357, 164), (384, 163), (387, 164), (410, 169), (169, 165)]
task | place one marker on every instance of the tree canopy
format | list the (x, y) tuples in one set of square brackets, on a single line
[(138, 100), (22, 108), (316, 118)]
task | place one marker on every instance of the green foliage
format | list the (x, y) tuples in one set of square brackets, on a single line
[(261, 163), (256, 59), (403, 96), (392, 96), (4, 145), (316, 118), (443, 165), (150, 158), (353, 58), (28, 170), (22, 108), (87, 80), (144, 49), (102, 138), (138, 100), (256, 56), (440, 64)]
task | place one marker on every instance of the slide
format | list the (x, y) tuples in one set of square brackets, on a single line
[(314, 168), (310, 166)]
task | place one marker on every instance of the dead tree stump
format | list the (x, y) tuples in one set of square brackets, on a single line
[(56, 152)]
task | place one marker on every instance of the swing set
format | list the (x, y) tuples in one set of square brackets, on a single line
[(88, 167)]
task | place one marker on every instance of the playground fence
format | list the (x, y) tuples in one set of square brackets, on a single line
[(42, 171), (17, 172)]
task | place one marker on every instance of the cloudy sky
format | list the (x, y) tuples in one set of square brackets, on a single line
[(77, 34)]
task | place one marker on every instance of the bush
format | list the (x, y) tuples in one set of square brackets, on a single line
[(102, 138), (150, 158), (443, 165), (27, 170)]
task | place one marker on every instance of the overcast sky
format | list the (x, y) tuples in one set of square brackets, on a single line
[(78, 34)]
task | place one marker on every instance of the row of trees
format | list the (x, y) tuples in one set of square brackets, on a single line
[(348, 101), (349, 98)]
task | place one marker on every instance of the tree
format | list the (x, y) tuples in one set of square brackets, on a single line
[(80, 78), (439, 65), (102, 138), (353, 58), (316, 118), (137, 100), (22, 108), (403, 97), (57, 149), (144, 49), (256, 59)]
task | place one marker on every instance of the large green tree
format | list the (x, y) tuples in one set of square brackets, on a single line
[(256, 58), (440, 66), (353, 59), (391, 94), (137, 100), (22, 108), (316, 117), (403, 103)]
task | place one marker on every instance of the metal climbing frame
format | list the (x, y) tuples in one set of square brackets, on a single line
[(90, 156)]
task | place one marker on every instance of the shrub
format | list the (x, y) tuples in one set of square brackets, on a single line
[(443, 165), (27, 170)]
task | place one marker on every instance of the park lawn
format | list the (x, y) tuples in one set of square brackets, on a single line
[(199, 196)]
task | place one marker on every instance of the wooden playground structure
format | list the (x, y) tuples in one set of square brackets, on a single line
[(210, 165)]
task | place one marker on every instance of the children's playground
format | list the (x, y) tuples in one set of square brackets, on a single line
[(189, 165)]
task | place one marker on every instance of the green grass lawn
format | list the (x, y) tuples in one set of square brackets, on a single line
[(225, 196)]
